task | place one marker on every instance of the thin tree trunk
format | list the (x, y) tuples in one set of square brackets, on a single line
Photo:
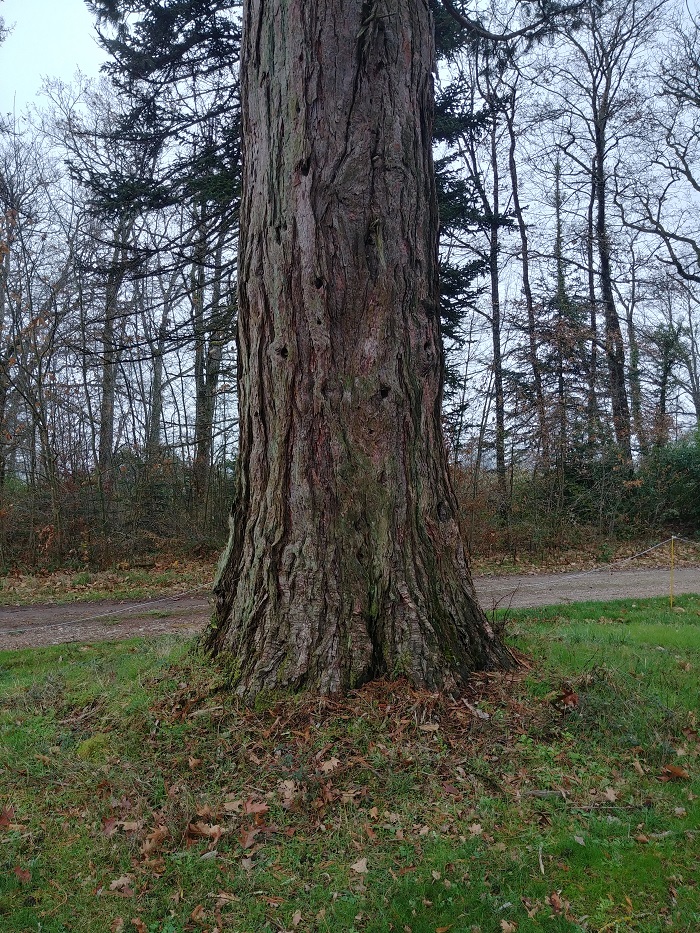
[(501, 475), (345, 560), (543, 434), (614, 346)]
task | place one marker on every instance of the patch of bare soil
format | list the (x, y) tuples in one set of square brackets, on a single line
[(35, 626)]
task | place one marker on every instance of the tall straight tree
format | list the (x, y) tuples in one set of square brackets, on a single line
[(345, 560)]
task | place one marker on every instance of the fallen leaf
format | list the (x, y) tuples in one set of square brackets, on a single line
[(222, 898), (296, 919), (508, 927), (360, 867), (476, 829), (117, 925), (109, 826), (122, 886), (205, 830), (233, 806), (569, 699), (330, 765), (479, 713), (23, 874), (193, 763), (444, 929), (246, 837), (7, 816), (197, 913), (581, 841), (673, 773), (140, 925), (288, 792), (429, 727), (154, 840), (252, 806), (610, 794), (555, 902)]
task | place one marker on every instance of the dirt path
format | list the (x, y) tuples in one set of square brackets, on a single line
[(33, 626)]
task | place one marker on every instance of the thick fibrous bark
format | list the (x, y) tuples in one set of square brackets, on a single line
[(345, 560)]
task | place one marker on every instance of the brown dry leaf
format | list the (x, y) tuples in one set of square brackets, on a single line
[(360, 867), (296, 919), (610, 794), (508, 927), (444, 929), (205, 830), (288, 792), (109, 826), (222, 898), (117, 925), (328, 766), (638, 766), (194, 762), (246, 837), (555, 902), (673, 773), (197, 913), (154, 840), (429, 727), (374, 813), (233, 806), (7, 816), (569, 699), (23, 874), (251, 806), (140, 925), (131, 826), (476, 829), (122, 886)]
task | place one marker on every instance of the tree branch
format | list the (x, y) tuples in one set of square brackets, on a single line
[(531, 31)]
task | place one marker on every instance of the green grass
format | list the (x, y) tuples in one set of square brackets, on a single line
[(567, 809)]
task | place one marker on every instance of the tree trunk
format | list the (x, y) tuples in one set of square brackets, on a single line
[(345, 561), (614, 345), (543, 428)]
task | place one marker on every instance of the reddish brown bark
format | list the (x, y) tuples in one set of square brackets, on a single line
[(345, 560)]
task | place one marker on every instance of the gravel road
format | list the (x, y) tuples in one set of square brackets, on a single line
[(34, 626)]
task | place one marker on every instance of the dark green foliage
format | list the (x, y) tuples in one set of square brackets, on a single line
[(175, 67), (669, 485)]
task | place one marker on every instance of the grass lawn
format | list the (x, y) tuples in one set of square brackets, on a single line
[(135, 796)]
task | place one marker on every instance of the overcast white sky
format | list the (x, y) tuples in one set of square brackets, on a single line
[(51, 38)]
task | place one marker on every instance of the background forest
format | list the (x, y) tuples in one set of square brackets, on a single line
[(568, 170)]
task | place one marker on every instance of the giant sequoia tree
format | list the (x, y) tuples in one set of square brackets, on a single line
[(345, 560)]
